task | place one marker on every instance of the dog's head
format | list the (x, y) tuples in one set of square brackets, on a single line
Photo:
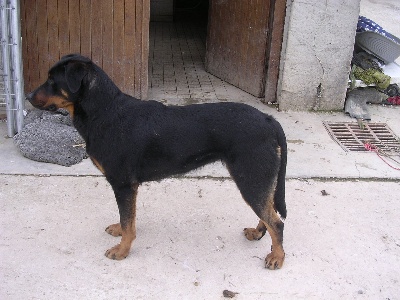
[(63, 84)]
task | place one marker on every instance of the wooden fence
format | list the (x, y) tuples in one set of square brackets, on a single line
[(113, 33)]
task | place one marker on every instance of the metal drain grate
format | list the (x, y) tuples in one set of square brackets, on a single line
[(351, 138)]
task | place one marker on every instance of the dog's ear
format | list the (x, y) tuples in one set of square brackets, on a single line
[(75, 71)]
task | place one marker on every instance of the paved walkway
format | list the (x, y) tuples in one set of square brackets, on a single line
[(312, 152)]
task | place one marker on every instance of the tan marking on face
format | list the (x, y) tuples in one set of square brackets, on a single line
[(61, 102)]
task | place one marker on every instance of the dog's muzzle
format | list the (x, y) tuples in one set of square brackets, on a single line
[(39, 104)]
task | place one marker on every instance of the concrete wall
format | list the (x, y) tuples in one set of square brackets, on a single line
[(316, 55)]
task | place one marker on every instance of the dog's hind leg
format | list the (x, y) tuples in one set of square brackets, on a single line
[(126, 200), (274, 225), (256, 178), (270, 221)]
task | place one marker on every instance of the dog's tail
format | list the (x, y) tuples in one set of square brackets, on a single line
[(280, 204)]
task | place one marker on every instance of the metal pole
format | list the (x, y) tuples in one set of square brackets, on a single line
[(17, 64), (7, 76)]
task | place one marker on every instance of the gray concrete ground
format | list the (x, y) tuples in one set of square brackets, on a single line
[(190, 245), (343, 243)]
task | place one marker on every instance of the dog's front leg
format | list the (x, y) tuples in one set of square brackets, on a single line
[(126, 200)]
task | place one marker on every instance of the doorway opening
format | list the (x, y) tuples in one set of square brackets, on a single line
[(177, 48)]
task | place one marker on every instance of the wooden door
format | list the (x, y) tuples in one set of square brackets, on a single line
[(237, 43), (114, 34)]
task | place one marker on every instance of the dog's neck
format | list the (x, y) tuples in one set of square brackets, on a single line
[(93, 103)]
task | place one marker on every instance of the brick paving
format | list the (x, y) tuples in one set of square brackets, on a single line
[(176, 67)]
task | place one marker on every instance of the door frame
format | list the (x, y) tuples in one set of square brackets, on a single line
[(274, 49)]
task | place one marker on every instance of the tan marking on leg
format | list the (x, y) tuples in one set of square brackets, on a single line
[(274, 225), (275, 259), (255, 233), (114, 229), (121, 250)]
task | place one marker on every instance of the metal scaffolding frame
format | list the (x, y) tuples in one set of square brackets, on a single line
[(11, 53)]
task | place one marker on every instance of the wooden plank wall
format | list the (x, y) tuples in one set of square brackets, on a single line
[(113, 33)]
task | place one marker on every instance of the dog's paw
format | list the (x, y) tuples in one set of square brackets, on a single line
[(274, 260), (117, 253), (252, 234), (114, 229)]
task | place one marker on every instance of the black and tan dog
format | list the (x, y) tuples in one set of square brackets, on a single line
[(133, 141)]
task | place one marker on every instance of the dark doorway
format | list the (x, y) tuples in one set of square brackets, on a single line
[(177, 47)]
